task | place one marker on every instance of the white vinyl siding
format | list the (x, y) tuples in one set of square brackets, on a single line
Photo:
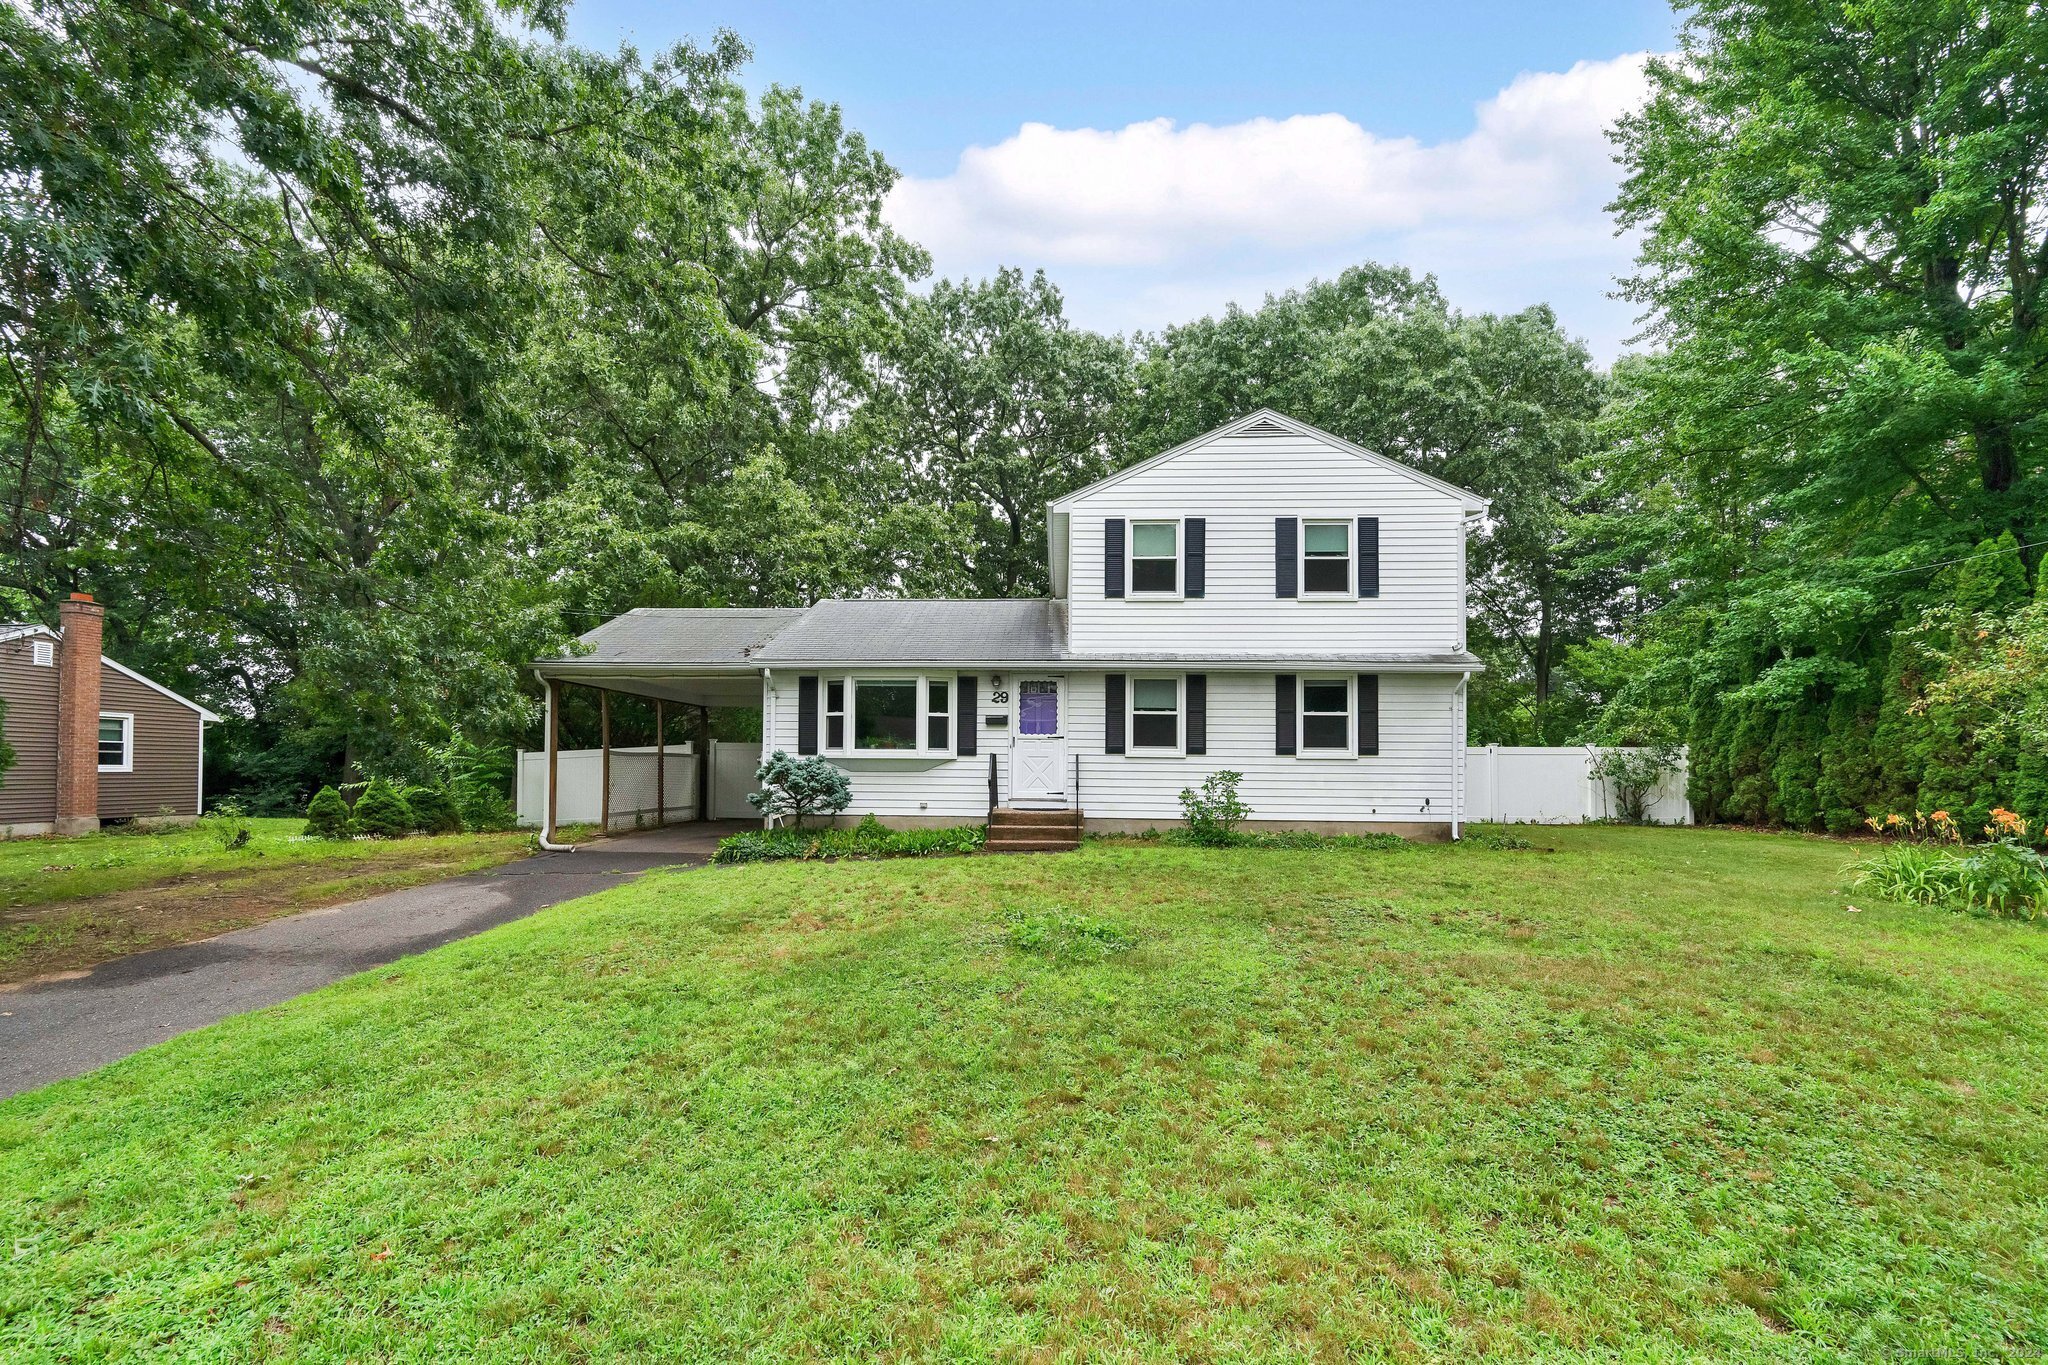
[(1410, 780), (1240, 484)]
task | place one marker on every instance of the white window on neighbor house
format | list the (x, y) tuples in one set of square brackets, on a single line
[(1326, 716), (1155, 716), (1326, 559), (117, 742), (1155, 558), (42, 653)]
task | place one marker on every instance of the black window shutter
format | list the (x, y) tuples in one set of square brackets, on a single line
[(1197, 566), (1198, 713), (1368, 713), (1283, 713), (1113, 713), (967, 714), (1113, 557), (807, 713), (1286, 530), (1368, 556)]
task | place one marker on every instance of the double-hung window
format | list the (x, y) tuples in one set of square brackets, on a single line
[(938, 714), (1326, 715), (1326, 558), (117, 742), (1155, 558), (1155, 715), (835, 713)]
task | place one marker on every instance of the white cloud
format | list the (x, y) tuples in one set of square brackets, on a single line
[(1155, 222)]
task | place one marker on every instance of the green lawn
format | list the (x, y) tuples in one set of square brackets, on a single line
[(69, 903), (1654, 1095)]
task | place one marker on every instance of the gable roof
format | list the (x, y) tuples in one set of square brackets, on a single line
[(1267, 422), (15, 630), (940, 631)]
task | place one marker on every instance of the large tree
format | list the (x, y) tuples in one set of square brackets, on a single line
[(998, 406), (1843, 256)]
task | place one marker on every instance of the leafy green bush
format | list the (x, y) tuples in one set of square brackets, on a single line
[(797, 787), (2004, 878), (328, 816), (477, 779), (1065, 936), (433, 810), (382, 813), (1214, 813), (869, 839)]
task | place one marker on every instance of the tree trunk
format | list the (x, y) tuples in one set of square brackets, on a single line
[(1998, 457)]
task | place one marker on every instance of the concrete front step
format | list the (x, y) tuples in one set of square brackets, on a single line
[(1005, 815)]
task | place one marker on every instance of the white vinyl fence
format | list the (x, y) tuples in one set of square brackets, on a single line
[(1556, 786), (581, 773)]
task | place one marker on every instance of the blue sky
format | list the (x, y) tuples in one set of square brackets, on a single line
[(1159, 161)]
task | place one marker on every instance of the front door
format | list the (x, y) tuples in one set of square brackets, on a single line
[(1038, 745)]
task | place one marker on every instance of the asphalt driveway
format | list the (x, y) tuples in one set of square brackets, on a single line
[(53, 1029)]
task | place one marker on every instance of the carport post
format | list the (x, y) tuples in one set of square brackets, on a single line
[(660, 766), (554, 752), (703, 763), (604, 727)]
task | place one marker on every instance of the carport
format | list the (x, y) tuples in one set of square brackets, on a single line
[(685, 661)]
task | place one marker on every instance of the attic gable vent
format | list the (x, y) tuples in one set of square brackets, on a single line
[(42, 653), (1265, 426)]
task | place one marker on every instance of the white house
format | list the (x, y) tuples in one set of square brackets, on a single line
[(1266, 598)]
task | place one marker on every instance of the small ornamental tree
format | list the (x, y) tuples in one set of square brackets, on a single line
[(1213, 812), (382, 813), (797, 787), (328, 816)]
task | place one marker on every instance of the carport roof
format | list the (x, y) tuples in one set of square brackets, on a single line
[(684, 635)]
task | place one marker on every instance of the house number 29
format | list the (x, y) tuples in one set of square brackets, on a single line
[(998, 698)]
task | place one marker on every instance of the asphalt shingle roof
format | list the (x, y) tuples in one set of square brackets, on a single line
[(686, 635), (1002, 630)]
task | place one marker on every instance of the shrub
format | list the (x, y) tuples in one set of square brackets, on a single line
[(328, 816), (1634, 774), (228, 823), (1214, 812), (382, 813), (869, 839), (797, 787), (433, 810), (477, 778)]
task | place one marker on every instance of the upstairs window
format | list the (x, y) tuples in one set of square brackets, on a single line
[(117, 742), (1326, 557), (1155, 557)]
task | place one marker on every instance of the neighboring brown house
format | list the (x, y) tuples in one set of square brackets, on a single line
[(93, 739)]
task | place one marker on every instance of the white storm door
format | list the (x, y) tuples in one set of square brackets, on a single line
[(1038, 744)]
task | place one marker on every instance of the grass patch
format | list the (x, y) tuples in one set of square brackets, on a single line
[(66, 904), (1650, 1095)]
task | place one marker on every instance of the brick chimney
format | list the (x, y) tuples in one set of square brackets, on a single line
[(78, 716)]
